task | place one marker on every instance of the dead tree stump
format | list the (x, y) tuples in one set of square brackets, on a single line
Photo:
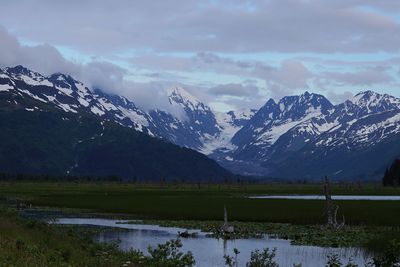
[(331, 208)]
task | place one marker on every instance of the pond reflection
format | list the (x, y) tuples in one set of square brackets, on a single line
[(208, 251)]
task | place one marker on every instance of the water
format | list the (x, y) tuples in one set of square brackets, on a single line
[(320, 197), (209, 252)]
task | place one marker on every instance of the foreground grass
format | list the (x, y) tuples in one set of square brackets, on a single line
[(32, 243)]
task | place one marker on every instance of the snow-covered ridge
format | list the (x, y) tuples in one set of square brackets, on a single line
[(67, 94), (28, 76), (285, 127), (372, 101)]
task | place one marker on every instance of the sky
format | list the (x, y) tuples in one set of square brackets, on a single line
[(231, 54)]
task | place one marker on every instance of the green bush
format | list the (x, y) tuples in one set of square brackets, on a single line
[(263, 258), (232, 261), (169, 255), (391, 256)]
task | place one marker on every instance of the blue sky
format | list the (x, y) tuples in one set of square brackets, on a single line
[(230, 54)]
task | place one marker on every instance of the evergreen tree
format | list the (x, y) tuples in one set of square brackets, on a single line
[(386, 181), (392, 174)]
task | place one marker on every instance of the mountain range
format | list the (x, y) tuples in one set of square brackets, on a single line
[(303, 136), (56, 126)]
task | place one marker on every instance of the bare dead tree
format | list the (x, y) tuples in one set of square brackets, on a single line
[(328, 202), (331, 208), (226, 227)]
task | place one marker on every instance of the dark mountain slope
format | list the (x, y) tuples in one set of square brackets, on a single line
[(54, 142)]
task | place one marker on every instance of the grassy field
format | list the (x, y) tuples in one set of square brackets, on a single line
[(189, 202)]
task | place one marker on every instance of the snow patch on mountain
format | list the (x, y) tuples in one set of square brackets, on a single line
[(5, 87), (272, 134)]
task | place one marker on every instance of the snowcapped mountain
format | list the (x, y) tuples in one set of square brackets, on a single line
[(199, 124), (318, 136), (56, 126), (196, 127), (304, 135), (361, 148), (70, 95), (275, 119), (370, 102)]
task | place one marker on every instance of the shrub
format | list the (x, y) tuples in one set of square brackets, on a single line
[(169, 255), (232, 261), (391, 256), (263, 258)]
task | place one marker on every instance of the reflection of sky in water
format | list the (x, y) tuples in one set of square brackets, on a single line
[(209, 252), (320, 197)]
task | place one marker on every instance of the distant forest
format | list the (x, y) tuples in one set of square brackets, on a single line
[(235, 179), (392, 174)]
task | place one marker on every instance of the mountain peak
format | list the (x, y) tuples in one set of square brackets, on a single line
[(26, 75), (62, 77), (178, 92), (372, 100), (304, 101), (180, 96), (366, 92), (21, 70), (307, 96), (270, 102), (364, 95)]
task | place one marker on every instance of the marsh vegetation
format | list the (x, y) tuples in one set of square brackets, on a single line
[(192, 206)]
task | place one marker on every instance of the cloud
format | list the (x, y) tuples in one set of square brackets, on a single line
[(290, 77), (42, 58), (104, 75), (47, 60), (292, 74), (359, 78), (152, 95), (236, 90), (339, 97), (200, 61), (103, 27)]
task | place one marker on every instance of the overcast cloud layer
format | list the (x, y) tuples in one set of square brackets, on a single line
[(231, 54)]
